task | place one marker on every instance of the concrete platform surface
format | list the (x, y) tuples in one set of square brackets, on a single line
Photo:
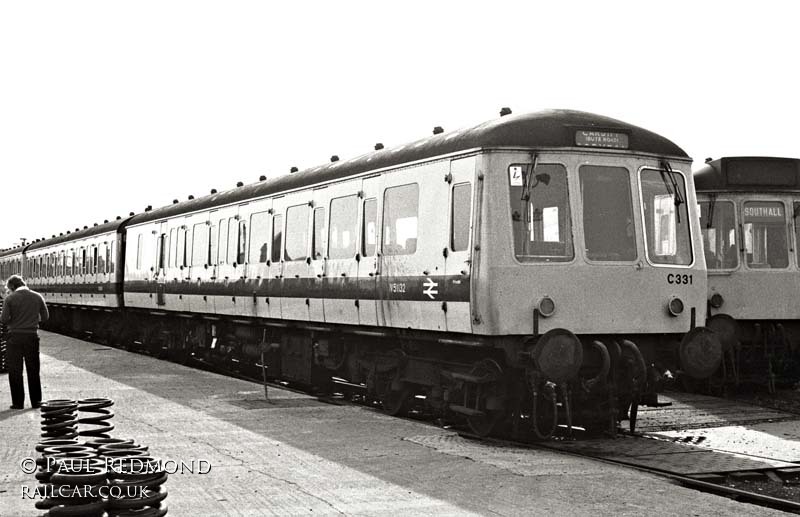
[(301, 456)]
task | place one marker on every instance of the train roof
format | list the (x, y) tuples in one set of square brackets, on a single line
[(13, 251), (545, 129), (108, 227), (749, 173)]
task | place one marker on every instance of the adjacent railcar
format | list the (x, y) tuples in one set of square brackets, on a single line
[(535, 270), (749, 209), (77, 274)]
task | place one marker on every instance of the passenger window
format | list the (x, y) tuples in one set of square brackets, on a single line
[(112, 257), (666, 217), (765, 237), (400, 209), (213, 245), (344, 222), (101, 259), (84, 262), (318, 242), (369, 228), (181, 247), (241, 253), (172, 244), (540, 212), (259, 236), (277, 237), (460, 212), (718, 225), (233, 240), (200, 244), (608, 224), (69, 259), (161, 253), (296, 233), (796, 217), (223, 242)]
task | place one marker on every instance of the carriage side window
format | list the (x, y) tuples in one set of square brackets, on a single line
[(369, 228), (161, 252), (200, 244), (277, 237), (84, 262), (796, 217), (112, 257), (765, 238), (233, 240), (296, 233), (222, 249), (460, 216), (241, 248), (400, 209), (213, 245), (181, 246), (68, 263), (344, 224), (101, 258), (718, 224), (259, 236), (318, 237), (608, 224), (172, 248), (666, 218), (95, 259), (539, 212)]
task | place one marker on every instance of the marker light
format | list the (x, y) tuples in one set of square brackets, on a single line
[(675, 306), (716, 300), (547, 307)]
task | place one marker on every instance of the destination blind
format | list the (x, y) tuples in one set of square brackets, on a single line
[(763, 212)]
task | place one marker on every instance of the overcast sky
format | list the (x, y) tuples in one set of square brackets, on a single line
[(107, 107)]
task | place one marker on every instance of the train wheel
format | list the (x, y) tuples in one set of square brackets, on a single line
[(395, 402), (489, 397)]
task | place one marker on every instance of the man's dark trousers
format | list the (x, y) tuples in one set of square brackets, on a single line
[(18, 347)]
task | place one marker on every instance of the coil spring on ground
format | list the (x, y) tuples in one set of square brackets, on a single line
[(58, 418), (71, 477), (141, 480), (78, 491), (46, 449), (99, 406)]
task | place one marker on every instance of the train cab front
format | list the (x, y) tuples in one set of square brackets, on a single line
[(603, 273)]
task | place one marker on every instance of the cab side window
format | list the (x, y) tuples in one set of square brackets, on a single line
[(718, 225)]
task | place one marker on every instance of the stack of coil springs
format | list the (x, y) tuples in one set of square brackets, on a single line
[(97, 477)]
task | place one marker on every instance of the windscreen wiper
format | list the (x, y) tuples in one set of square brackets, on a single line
[(712, 201), (526, 190), (672, 187)]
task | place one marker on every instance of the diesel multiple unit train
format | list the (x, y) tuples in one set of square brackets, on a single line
[(749, 208), (530, 271)]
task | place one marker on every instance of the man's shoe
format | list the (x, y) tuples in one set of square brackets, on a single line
[(36, 405), (14, 406)]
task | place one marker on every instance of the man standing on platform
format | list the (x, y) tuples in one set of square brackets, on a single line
[(22, 311)]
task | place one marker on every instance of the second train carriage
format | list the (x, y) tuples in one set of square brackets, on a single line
[(545, 267), (749, 208)]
